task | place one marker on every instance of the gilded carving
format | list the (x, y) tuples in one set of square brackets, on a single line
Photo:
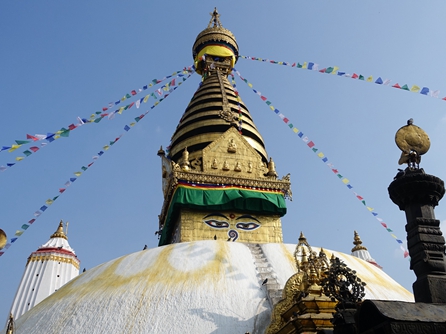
[(196, 164), (214, 164), (52, 257), (225, 165), (238, 167), (232, 146)]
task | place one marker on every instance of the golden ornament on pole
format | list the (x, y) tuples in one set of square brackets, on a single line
[(3, 239), (413, 142)]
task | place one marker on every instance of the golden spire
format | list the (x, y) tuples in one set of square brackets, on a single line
[(271, 168), (358, 243), (10, 325), (59, 233)]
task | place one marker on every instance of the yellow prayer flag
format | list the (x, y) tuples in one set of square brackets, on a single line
[(13, 148), (19, 158), (320, 155), (415, 89), (106, 147), (18, 233), (123, 99), (304, 65), (92, 116), (132, 124), (146, 98), (78, 174), (272, 108), (345, 181), (369, 208), (150, 85), (335, 69), (369, 79), (280, 62), (56, 137), (156, 103), (295, 130), (393, 235), (49, 201), (249, 85)]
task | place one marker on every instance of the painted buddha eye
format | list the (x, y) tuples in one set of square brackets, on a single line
[(247, 226), (216, 223)]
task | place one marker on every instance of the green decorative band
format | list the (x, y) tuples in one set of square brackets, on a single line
[(221, 198)]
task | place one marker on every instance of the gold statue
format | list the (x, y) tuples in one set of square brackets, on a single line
[(214, 164), (413, 142), (250, 167), (232, 146), (225, 165), (238, 167)]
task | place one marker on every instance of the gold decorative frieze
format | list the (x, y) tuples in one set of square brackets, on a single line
[(52, 257)]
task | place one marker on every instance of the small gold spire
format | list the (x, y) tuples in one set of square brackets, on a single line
[(185, 160), (358, 243), (10, 325), (161, 152), (59, 233), (3, 239), (271, 168)]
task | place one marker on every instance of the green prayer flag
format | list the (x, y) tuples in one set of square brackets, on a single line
[(361, 77), (97, 120), (98, 112), (340, 176), (299, 65), (27, 153), (22, 142), (128, 96), (24, 226), (65, 133), (329, 70), (314, 149), (404, 87), (84, 168)]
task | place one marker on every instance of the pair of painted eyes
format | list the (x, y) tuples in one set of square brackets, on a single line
[(222, 224)]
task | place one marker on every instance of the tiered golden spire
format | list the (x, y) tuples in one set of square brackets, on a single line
[(60, 232), (358, 243)]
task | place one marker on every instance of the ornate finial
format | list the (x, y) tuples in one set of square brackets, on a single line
[(185, 160), (358, 243), (10, 325), (413, 142), (161, 152), (3, 238), (271, 168), (59, 233), (215, 19)]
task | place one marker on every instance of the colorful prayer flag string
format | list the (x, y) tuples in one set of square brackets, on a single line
[(94, 118), (79, 173), (335, 71), (310, 144)]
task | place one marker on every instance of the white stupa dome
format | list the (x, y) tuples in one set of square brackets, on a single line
[(194, 287)]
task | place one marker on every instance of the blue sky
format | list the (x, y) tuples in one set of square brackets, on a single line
[(63, 60)]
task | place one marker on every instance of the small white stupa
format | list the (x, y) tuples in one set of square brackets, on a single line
[(361, 251), (47, 269)]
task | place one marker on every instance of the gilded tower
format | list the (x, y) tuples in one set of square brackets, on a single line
[(217, 179)]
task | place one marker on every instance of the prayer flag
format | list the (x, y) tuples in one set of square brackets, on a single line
[(43, 208), (379, 81), (19, 233), (386, 82), (134, 92), (361, 77), (329, 70), (61, 190), (310, 144), (32, 137), (405, 87), (435, 93), (72, 179), (19, 158), (424, 91), (126, 128), (369, 79), (415, 89), (310, 66), (396, 86), (49, 201), (354, 76), (137, 103), (13, 148), (335, 69), (25, 226)]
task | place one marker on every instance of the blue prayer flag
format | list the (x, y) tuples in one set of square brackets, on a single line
[(424, 91)]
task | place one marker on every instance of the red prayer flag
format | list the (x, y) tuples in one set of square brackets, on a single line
[(32, 137), (359, 197), (173, 82), (31, 221), (444, 98), (263, 98), (335, 171), (396, 86), (61, 190), (286, 120), (131, 105), (354, 76), (71, 126), (104, 109), (133, 92), (406, 254), (34, 148), (310, 144), (384, 224), (323, 70)]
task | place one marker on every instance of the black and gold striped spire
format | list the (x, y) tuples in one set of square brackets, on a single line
[(214, 107)]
